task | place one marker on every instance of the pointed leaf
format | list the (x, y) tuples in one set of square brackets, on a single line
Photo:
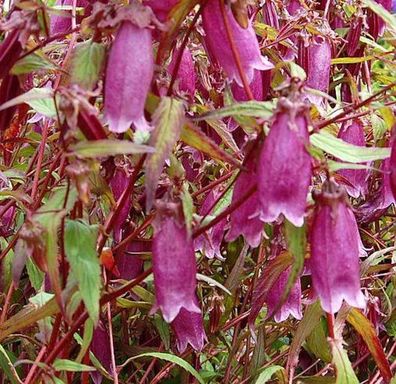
[(71, 366), (80, 248), (345, 373), (168, 119)]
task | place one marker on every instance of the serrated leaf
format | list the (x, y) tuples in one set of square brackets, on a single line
[(367, 331), (345, 151), (173, 359), (71, 366), (262, 109), (266, 375), (345, 373), (168, 119), (33, 62), (87, 63), (104, 148), (40, 99), (80, 249)]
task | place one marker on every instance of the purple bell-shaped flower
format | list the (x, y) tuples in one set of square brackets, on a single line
[(129, 73), (335, 248), (173, 262), (218, 43), (284, 167)]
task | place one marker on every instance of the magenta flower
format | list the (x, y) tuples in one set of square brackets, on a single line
[(219, 47), (353, 36), (292, 305), (315, 58), (129, 73), (335, 247), (259, 86), (186, 73), (284, 166), (100, 347), (161, 8), (189, 329), (353, 132), (209, 243), (245, 220), (173, 263), (375, 22), (129, 262)]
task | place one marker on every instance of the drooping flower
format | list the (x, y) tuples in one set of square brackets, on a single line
[(245, 220), (189, 329), (185, 76), (129, 73), (335, 247), (128, 261), (284, 168), (375, 22), (219, 46), (174, 265), (209, 242), (259, 86), (353, 132), (315, 58), (100, 347), (161, 8), (292, 305)]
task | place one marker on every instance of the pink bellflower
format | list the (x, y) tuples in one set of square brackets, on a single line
[(218, 43), (284, 165), (174, 265), (335, 250)]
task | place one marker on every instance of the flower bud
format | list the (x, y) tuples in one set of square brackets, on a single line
[(335, 247), (188, 327), (218, 43), (353, 133), (129, 73), (284, 168), (173, 262)]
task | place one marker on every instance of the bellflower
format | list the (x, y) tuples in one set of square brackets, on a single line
[(219, 46), (189, 329), (335, 247), (128, 261), (259, 86), (209, 243), (161, 8), (245, 220), (185, 76), (284, 167), (316, 61), (100, 347), (375, 22), (292, 305), (392, 166), (173, 262), (129, 73), (353, 132)]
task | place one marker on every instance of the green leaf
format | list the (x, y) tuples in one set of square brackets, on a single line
[(172, 359), (345, 151), (80, 248), (40, 99), (312, 315), (385, 15), (368, 333), (336, 166), (213, 282), (86, 340), (262, 109), (266, 375), (316, 380), (188, 206), (36, 276), (87, 63), (345, 373), (71, 366), (351, 60), (33, 62), (167, 119), (104, 148), (317, 342), (8, 368), (163, 330)]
